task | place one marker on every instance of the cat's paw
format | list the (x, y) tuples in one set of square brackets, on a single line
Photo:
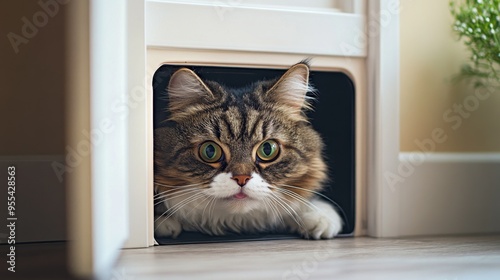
[(321, 223), (167, 227)]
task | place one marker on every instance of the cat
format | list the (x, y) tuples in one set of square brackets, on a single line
[(243, 160)]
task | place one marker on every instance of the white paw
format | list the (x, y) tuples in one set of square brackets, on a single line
[(167, 227), (322, 223)]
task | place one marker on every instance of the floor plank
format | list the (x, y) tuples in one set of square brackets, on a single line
[(470, 257)]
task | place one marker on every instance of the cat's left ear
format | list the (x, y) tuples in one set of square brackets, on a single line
[(292, 88), (187, 93)]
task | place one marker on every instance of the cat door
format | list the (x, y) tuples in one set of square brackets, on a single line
[(333, 117)]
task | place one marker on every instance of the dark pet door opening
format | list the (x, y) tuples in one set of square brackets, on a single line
[(333, 117)]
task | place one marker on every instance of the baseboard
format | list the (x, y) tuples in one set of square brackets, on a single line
[(449, 193), (450, 157)]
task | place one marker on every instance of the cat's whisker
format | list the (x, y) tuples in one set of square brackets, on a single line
[(181, 193), (266, 205), (290, 209), (179, 205), (314, 192), (301, 199), (298, 197), (183, 203), (170, 191), (268, 208), (293, 217), (277, 211), (275, 199), (306, 201), (274, 211), (211, 210), (206, 197), (177, 187), (174, 191), (205, 208)]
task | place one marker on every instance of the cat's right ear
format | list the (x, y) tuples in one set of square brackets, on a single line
[(290, 91), (186, 89)]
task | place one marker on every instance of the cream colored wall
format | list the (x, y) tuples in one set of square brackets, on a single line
[(430, 55)]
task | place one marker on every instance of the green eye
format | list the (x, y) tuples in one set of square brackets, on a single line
[(210, 152), (268, 150)]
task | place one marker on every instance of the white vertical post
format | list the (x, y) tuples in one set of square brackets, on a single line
[(383, 87), (97, 135), (359, 7), (140, 131)]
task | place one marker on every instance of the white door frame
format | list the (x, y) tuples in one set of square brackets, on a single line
[(344, 52), (381, 148), (96, 143), (383, 84)]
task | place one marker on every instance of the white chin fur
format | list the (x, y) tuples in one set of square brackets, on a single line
[(224, 188), (216, 211)]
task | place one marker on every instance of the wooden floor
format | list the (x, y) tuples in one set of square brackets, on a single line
[(453, 258)]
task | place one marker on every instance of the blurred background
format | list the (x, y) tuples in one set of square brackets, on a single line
[(32, 88)]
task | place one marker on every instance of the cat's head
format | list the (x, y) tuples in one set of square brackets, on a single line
[(243, 149)]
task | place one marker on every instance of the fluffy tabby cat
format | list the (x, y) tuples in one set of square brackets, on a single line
[(240, 160)]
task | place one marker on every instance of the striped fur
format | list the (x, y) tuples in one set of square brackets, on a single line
[(195, 195)]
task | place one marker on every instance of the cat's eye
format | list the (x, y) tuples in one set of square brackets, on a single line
[(210, 152), (268, 150)]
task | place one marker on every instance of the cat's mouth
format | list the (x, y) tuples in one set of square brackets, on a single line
[(240, 195)]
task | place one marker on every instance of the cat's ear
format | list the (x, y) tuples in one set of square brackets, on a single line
[(292, 88), (186, 89)]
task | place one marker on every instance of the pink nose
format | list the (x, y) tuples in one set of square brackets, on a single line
[(241, 179)]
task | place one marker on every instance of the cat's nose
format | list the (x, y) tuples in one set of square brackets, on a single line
[(241, 179)]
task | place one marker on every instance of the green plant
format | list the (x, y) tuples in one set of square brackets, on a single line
[(477, 22)]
